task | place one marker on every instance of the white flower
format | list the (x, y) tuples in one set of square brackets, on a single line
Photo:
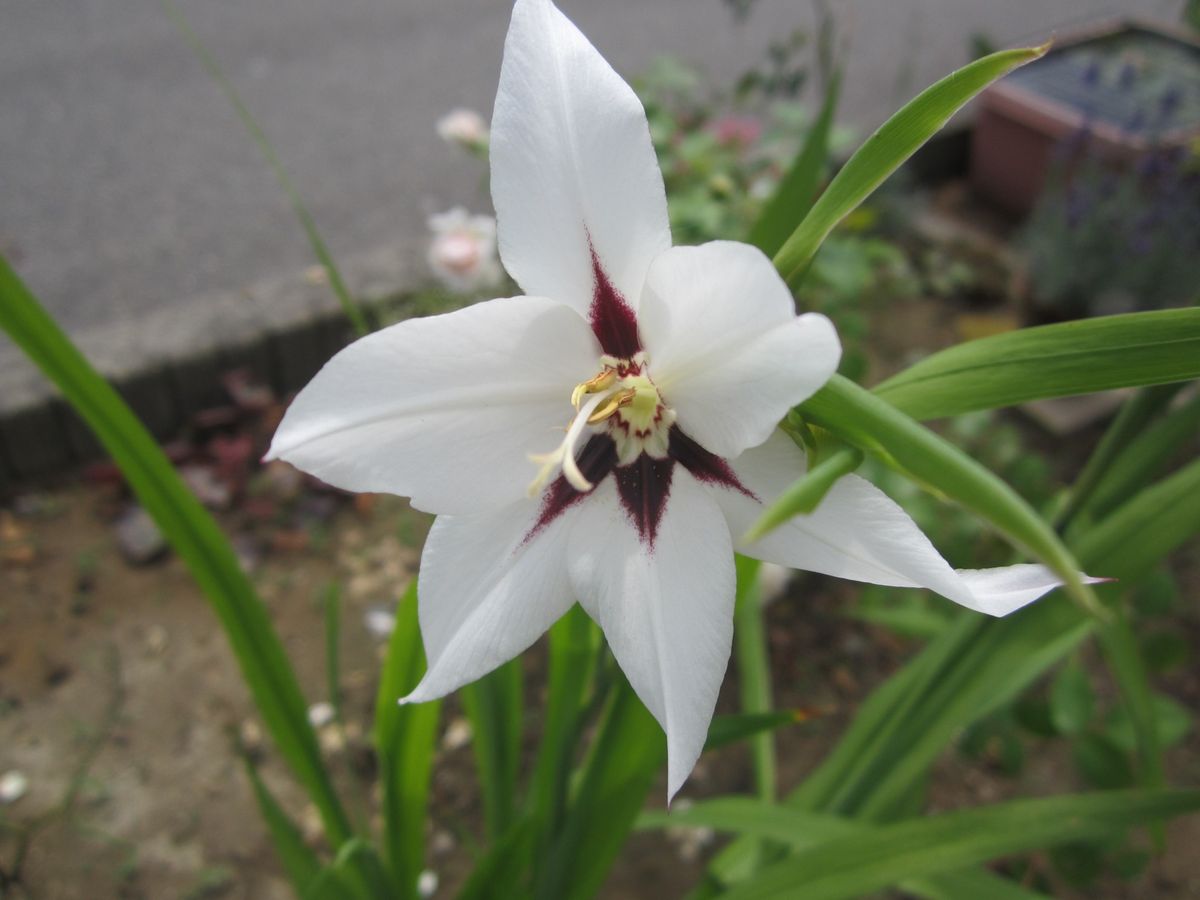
[(671, 368), (464, 127), (462, 253)]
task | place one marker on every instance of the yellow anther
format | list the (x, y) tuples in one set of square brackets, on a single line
[(609, 407), (602, 382)]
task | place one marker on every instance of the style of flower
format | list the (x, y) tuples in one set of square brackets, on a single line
[(671, 367), (462, 253), (464, 127)]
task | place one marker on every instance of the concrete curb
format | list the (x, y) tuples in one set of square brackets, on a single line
[(168, 365)]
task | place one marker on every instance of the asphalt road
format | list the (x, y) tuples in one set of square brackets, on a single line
[(127, 184)]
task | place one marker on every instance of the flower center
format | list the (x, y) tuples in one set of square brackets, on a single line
[(620, 400)]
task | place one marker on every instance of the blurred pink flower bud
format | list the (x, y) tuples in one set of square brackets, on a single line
[(464, 127), (462, 253)]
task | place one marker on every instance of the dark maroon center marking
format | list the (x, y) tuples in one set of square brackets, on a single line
[(704, 466), (644, 486), (612, 318), (598, 458)]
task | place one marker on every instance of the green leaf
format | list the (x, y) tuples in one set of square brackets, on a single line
[(1072, 701), (1133, 538), (1051, 361), (730, 729), (299, 862), (754, 670), (860, 418), (807, 492), (1144, 457), (494, 708), (794, 197), (799, 830), (1125, 661), (857, 864), (192, 532), (574, 647), (1136, 413), (625, 757), (1172, 721), (405, 743), (895, 141), (319, 248), (1101, 763)]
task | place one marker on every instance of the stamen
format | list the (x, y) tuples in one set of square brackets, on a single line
[(602, 382), (564, 455), (610, 406)]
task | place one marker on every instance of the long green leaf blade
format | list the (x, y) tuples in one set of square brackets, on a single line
[(1051, 361), (884, 151), (494, 708), (299, 862), (192, 532), (794, 197), (851, 866), (404, 741)]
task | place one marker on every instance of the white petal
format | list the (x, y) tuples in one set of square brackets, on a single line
[(445, 409), (860, 533), (667, 612), (572, 162), (487, 589), (725, 345)]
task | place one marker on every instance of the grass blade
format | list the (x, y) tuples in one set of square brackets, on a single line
[(794, 197), (299, 862), (1051, 361), (192, 532), (754, 671), (320, 250), (884, 151), (852, 865), (404, 741), (494, 708)]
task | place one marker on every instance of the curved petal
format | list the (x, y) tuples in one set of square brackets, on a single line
[(488, 587), (667, 612), (725, 346), (573, 169), (445, 409), (860, 533)]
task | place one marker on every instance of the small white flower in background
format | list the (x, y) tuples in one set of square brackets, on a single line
[(462, 253), (671, 368), (464, 127), (13, 786), (320, 714)]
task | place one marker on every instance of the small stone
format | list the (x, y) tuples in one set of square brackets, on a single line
[(138, 538), (380, 622), (320, 714), (427, 883), (156, 639), (442, 843), (208, 488), (311, 827), (458, 734), (13, 786), (251, 737)]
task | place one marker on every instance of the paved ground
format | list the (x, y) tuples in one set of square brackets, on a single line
[(127, 186)]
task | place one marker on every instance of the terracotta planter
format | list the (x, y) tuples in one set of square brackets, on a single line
[(1128, 85)]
